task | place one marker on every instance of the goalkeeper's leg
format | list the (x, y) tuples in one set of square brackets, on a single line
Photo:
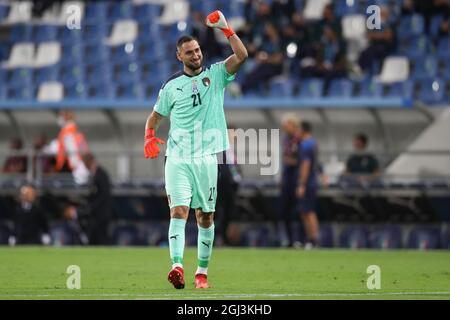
[(176, 245), (205, 241)]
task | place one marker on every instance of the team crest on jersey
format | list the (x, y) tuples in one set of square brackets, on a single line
[(194, 86), (206, 81)]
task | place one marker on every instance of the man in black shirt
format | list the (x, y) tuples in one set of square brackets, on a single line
[(30, 220), (362, 163), (99, 206)]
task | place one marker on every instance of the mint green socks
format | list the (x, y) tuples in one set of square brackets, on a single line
[(205, 242), (176, 241)]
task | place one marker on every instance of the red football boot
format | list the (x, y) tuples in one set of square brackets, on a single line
[(201, 281), (176, 277)]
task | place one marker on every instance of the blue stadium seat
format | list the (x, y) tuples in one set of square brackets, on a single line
[(325, 236), (400, 89), (45, 33), (415, 47), (435, 24), (71, 55), (425, 67), (96, 53), (3, 92), (444, 68), (340, 88), (146, 12), (354, 237), (75, 90), (45, 74), (125, 236), (150, 90), (21, 33), (95, 34), (130, 91), (98, 74), (95, 12), (387, 237), (72, 74), (4, 10), (281, 88), (424, 237), (411, 26), (123, 54), (443, 50), (120, 10), (311, 88), (149, 52), (102, 91), (431, 90), (370, 89), (21, 77), (68, 37), (342, 8), (5, 232), (126, 73)]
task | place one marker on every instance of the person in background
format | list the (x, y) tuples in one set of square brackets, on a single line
[(308, 184), (43, 163), (30, 220), (71, 144), (362, 164), (90, 221), (381, 44), (99, 206), (228, 187), (291, 126), (15, 163)]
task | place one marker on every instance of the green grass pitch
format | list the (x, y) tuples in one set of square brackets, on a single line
[(140, 273)]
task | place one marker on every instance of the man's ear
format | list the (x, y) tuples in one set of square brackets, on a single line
[(178, 55)]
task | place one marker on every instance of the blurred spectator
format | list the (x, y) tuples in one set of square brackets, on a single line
[(281, 11), (15, 163), (42, 162), (291, 126), (433, 8), (381, 44), (269, 60), (71, 144), (99, 206), (206, 37), (30, 220), (361, 162), (228, 187), (308, 184)]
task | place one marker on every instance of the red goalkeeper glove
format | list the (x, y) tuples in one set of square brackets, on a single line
[(216, 19), (151, 148)]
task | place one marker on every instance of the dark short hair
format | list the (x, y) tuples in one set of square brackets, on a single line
[(184, 39), (306, 126), (362, 137)]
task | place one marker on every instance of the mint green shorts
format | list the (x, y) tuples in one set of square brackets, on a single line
[(192, 182)]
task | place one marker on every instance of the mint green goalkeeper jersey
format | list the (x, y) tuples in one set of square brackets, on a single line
[(195, 106)]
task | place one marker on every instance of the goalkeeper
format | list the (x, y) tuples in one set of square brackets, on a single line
[(194, 100)]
